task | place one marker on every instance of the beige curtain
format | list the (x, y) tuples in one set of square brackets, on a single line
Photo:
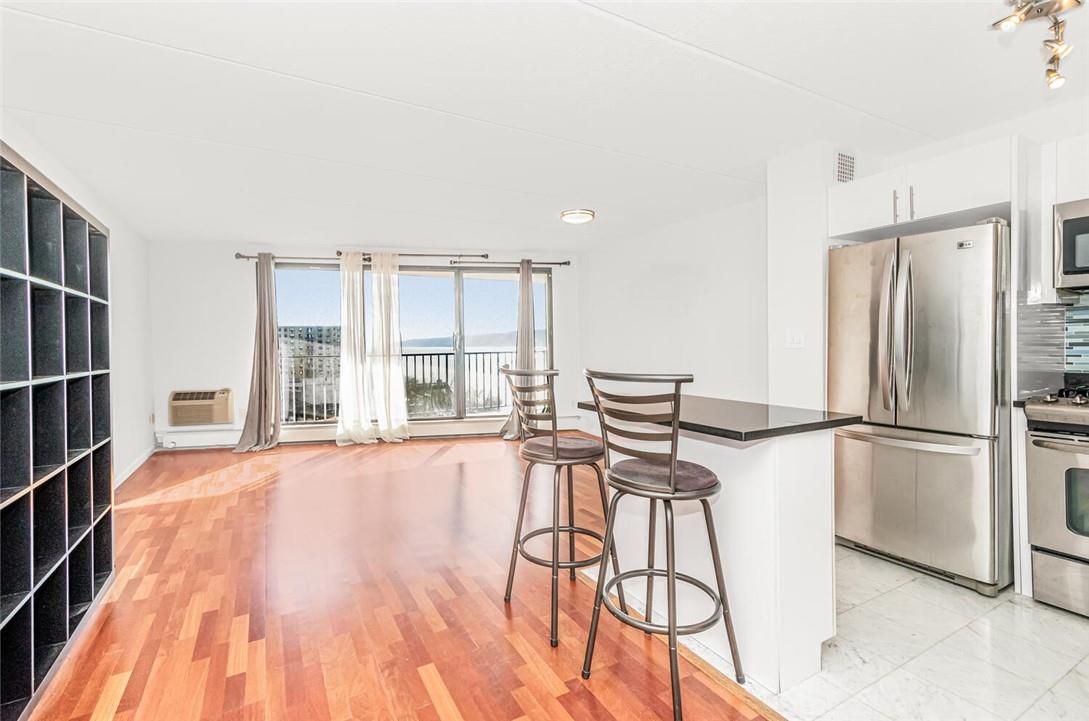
[(262, 429), (525, 349)]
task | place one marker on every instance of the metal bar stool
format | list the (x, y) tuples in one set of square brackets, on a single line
[(534, 398), (653, 421)]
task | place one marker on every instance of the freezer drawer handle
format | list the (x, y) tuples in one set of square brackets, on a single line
[(912, 445), (1058, 446)]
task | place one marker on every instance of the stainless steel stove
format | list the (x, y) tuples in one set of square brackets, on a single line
[(1058, 497)]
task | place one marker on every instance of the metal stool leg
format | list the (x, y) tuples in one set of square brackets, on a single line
[(650, 562), (713, 539), (671, 593), (571, 514), (518, 532), (557, 476), (612, 547), (602, 567)]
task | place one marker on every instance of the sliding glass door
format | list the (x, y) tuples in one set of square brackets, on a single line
[(458, 327), (490, 320)]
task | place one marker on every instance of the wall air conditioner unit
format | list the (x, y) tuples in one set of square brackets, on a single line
[(201, 408)]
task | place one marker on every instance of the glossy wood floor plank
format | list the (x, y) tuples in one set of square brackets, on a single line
[(316, 583)]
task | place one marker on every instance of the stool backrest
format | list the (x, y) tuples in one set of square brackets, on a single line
[(533, 395), (652, 419)]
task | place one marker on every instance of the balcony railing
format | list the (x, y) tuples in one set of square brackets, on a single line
[(310, 385)]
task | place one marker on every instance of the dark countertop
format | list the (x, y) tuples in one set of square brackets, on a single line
[(744, 421)]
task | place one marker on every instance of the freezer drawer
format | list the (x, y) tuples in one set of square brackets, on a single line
[(928, 498)]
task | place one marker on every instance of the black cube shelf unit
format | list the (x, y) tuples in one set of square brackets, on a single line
[(56, 462)]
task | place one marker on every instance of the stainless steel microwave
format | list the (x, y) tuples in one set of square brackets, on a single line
[(1072, 244)]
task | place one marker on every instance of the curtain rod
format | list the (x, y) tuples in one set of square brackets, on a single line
[(243, 256), (511, 263)]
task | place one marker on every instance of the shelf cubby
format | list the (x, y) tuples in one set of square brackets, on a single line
[(103, 539), (47, 403), (100, 407), (99, 264), (47, 331), (50, 622), (14, 330), (102, 476), (15, 469), (79, 499), (77, 334), (81, 580), (100, 336), (12, 218), (50, 525), (45, 230), (78, 416), (75, 251), (15, 576), (16, 679)]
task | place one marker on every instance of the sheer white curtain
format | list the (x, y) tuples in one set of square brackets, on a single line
[(387, 374), (525, 356), (354, 422)]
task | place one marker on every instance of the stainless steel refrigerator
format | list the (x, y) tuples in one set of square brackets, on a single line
[(917, 339)]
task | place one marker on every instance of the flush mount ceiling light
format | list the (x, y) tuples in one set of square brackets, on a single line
[(1055, 47), (577, 216)]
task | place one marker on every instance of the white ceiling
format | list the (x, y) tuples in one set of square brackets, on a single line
[(472, 125)]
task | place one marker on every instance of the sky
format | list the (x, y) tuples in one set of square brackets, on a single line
[(309, 296)]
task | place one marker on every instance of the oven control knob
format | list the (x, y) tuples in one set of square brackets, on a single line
[(1051, 398), (1079, 400)]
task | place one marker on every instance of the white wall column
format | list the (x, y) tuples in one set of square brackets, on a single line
[(797, 207)]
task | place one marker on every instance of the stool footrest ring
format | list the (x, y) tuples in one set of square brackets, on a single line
[(656, 627), (581, 563)]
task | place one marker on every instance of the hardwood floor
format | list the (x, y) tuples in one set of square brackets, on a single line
[(318, 583)]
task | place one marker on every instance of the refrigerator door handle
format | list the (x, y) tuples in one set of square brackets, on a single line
[(884, 328), (904, 334), (945, 448)]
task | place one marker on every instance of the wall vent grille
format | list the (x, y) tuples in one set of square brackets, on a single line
[(845, 168)]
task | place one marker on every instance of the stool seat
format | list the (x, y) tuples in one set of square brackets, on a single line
[(691, 477), (569, 447)]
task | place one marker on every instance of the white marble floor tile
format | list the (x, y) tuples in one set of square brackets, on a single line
[(854, 710), (884, 574), (851, 664), (901, 607), (1004, 694), (902, 696), (809, 699), (895, 642), (1075, 685), (988, 643), (1057, 630), (1055, 707), (843, 552), (951, 597)]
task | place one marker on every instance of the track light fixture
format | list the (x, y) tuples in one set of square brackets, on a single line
[(1055, 47)]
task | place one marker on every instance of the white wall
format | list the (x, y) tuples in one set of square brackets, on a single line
[(204, 309), (130, 330), (689, 297)]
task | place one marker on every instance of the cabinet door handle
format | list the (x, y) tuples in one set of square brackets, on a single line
[(911, 202), (895, 209)]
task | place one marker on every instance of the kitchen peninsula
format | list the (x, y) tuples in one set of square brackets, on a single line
[(775, 527)]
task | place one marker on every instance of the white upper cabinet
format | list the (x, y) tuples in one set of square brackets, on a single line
[(970, 178), (875, 201), (1073, 169)]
